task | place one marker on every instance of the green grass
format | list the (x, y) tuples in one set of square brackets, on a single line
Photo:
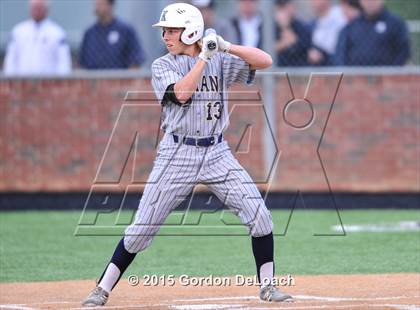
[(37, 246)]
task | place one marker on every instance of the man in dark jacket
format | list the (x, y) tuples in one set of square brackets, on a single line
[(376, 38), (110, 43), (293, 37)]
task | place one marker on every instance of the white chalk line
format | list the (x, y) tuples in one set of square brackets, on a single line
[(404, 307), (124, 307), (207, 307), (301, 297), (284, 306), (54, 302), (305, 297), (16, 306), (365, 305), (224, 306), (339, 299), (216, 298), (402, 226), (243, 298)]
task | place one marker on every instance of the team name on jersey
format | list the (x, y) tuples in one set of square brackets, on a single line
[(209, 83)]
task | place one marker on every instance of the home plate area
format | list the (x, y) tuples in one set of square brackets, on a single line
[(382, 291)]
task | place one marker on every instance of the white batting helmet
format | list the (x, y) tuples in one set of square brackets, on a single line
[(183, 15)]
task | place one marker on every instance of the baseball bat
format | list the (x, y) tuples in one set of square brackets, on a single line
[(211, 45)]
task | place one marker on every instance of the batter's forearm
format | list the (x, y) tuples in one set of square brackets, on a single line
[(256, 58), (186, 86)]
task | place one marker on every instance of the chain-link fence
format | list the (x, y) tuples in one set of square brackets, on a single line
[(303, 33)]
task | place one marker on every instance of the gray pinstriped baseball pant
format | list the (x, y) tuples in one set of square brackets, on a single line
[(177, 169)]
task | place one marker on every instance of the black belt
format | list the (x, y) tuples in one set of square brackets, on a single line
[(200, 141)]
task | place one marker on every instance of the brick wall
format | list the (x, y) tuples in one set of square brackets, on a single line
[(54, 133), (371, 139)]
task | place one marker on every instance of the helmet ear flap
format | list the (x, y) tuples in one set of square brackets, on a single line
[(191, 35)]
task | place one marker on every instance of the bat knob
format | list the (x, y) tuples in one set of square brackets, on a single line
[(211, 45)]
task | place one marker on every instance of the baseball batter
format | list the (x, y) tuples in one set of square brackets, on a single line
[(190, 83)]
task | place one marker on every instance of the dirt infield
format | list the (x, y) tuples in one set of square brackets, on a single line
[(386, 291)]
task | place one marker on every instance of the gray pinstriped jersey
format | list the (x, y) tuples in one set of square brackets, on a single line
[(208, 112)]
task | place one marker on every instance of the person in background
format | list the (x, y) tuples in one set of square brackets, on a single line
[(248, 25), (207, 9), (37, 46), (351, 10), (376, 38), (293, 36), (325, 31), (110, 43)]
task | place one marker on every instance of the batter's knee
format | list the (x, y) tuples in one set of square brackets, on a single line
[(138, 238), (262, 224)]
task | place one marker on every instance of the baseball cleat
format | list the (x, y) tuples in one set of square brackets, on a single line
[(271, 293), (98, 297)]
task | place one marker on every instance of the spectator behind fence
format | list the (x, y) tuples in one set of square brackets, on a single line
[(376, 38), (222, 27), (110, 43), (248, 25), (351, 10), (37, 46), (293, 37), (325, 31)]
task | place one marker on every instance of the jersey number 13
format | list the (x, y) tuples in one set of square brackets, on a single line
[(214, 109)]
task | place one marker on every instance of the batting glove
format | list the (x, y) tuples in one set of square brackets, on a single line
[(224, 46), (209, 47)]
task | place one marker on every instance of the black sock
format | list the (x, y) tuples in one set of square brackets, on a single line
[(263, 249), (121, 258)]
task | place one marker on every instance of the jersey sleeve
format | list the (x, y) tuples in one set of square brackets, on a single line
[(162, 77), (236, 70)]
